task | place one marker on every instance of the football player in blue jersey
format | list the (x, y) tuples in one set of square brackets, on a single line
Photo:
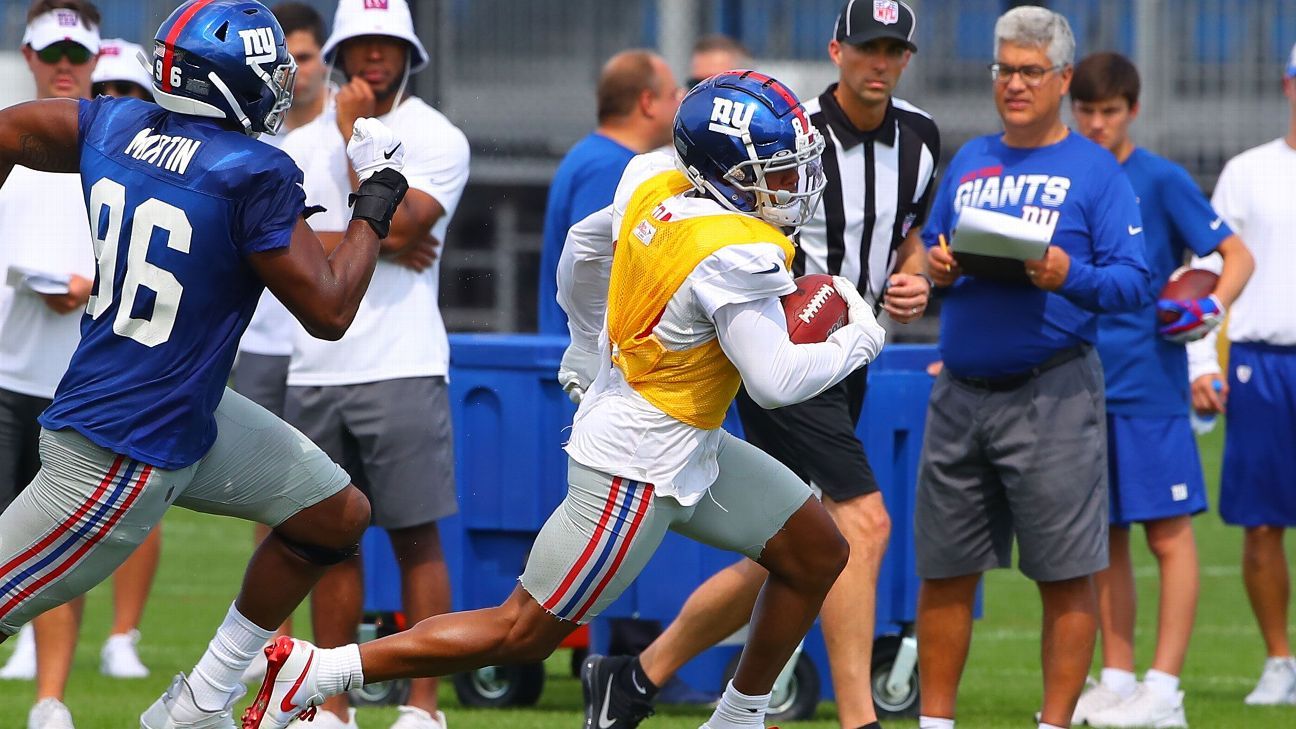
[(190, 218), (1154, 472)]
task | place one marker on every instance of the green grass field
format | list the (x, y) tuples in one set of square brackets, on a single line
[(203, 559)]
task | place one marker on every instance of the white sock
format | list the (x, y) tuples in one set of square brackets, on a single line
[(737, 710), (220, 670), (932, 722), (1120, 681), (1050, 726), (1276, 661), (339, 669), (1161, 682)]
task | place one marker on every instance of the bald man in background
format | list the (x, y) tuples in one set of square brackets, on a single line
[(637, 98), (716, 53)]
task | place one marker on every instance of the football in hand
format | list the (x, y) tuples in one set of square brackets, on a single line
[(815, 310), (1186, 284)]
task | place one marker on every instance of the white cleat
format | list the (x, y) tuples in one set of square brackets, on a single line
[(1147, 707), (21, 666), (49, 714), (1095, 698), (176, 709), (119, 659), (1277, 684), (290, 689), (412, 717)]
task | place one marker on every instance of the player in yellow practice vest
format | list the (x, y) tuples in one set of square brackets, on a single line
[(673, 298)]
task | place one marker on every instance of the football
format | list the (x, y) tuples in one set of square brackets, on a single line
[(1186, 284), (815, 310)]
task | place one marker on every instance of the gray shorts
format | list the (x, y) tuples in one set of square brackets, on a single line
[(1030, 463), (599, 539), (88, 508), (19, 442), (263, 379), (393, 437)]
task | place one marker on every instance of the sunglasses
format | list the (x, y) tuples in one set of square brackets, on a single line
[(76, 53)]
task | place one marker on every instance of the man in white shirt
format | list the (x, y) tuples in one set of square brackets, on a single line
[(262, 370), (376, 400), (1257, 489)]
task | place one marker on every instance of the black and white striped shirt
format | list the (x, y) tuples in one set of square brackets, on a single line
[(880, 185)]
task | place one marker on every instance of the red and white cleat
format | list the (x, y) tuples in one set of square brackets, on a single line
[(290, 689)]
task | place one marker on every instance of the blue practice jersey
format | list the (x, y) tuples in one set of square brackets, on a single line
[(176, 204), (585, 182), (991, 328), (1147, 375)]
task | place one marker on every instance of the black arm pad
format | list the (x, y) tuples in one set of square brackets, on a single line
[(376, 200)]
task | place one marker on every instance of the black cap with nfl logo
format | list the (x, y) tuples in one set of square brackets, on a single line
[(862, 21)]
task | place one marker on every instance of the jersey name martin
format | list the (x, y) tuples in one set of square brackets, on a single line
[(167, 152)]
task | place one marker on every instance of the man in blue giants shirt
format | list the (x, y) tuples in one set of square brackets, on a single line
[(190, 218), (1155, 474), (1014, 446)]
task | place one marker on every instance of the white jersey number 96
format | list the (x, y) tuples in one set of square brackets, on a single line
[(150, 215)]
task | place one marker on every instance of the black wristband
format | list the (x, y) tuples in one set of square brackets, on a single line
[(376, 200)]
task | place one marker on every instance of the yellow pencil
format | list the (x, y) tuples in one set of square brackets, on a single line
[(940, 237)]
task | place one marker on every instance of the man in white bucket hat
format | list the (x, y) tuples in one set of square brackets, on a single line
[(376, 400)]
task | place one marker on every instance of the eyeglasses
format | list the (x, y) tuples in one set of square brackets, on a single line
[(76, 53), (1032, 76)]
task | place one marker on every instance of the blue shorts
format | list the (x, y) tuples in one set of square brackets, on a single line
[(1153, 469), (1258, 482)]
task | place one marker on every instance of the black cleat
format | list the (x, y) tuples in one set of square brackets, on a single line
[(607, 704)]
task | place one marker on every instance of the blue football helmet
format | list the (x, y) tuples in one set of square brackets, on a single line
[(734, 131), (224, 59)]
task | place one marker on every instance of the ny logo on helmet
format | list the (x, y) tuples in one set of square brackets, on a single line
[(730, 117), (258, 45)]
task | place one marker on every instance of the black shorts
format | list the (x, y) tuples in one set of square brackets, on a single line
[(816, 438)]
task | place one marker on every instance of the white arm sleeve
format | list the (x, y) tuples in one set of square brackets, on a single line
[(583, 273), (1202, 356), (777, 372)]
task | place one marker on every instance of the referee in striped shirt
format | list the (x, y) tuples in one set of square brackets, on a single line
[(880, 163)]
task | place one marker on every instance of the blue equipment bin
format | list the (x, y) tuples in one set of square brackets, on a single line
[(511, 419)]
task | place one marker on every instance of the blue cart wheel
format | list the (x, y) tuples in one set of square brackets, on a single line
[(899, 703), (501, 686)]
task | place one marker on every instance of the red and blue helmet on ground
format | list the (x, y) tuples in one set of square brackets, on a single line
[(224, 59), (744, 139)]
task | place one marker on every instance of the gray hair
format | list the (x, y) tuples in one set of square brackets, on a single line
[(1036, 27)]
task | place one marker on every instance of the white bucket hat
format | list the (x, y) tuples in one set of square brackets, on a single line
[(67, 25), (119, 61), (392, 18)]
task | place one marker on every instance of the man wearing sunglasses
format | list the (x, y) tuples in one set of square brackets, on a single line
[(1014, 448), (46, 232)]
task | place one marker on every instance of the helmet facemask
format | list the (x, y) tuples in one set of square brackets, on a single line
[(782, 207), (280, 81)]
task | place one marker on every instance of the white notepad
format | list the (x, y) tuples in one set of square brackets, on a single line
[(988, 233)]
